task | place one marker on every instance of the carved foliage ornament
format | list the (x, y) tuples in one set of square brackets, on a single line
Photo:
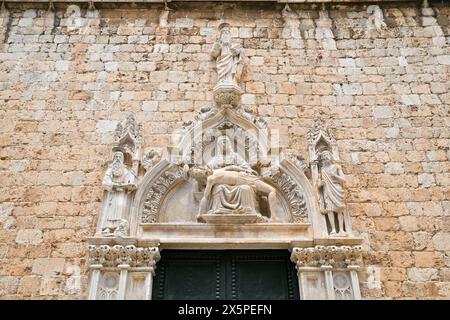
[(113, 256), (293, 194), (151, 158), (319, 131), (128, 135), (155, 195), (335, 256), (342, 286)]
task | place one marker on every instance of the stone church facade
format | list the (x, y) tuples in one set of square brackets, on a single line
[(289, 150)]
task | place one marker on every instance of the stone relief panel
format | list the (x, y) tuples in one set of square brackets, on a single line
[(109, 286), (156, 193), (342, 286), (222, 176)]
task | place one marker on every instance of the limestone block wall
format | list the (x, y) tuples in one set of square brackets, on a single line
[(68, 76)]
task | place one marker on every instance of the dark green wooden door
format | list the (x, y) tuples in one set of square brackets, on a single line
[(230, 274)]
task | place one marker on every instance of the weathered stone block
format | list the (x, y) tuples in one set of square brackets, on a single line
[(29, 236), (48, 266)]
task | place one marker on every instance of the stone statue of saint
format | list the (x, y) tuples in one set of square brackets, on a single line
[(331, 181), (232, 185), (228, 58), (118, 182)]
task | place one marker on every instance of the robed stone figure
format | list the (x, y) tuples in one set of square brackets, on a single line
[(232, 185), (331, 182), (228, 58), (118, 182)]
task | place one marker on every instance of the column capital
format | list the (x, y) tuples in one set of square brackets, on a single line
[(120, 256), (328, 257)]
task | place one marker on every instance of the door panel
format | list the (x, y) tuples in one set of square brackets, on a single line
[(230, 274), (186, 276)]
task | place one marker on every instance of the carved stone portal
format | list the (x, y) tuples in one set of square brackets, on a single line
[(224, 182)]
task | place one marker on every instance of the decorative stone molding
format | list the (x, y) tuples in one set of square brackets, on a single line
[(293, 194), (151, 157), (156, 193), (351, 2), (118, 255), (128, 137), (328, 256), (317, 133)]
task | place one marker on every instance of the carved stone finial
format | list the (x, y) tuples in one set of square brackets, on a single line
[(151, 158), (128, 136), (127, 126), (319, 131), (3, 7)]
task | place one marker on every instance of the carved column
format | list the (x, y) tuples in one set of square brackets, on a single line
[(95, 278), (328, 272), (122, 272)]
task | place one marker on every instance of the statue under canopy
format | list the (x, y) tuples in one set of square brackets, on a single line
[(331, 180), (118, 182)]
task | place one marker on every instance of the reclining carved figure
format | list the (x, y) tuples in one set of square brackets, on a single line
[(233, 176)]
